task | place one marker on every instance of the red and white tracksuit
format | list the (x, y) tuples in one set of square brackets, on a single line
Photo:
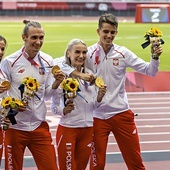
[(31, 130), (74, 133)]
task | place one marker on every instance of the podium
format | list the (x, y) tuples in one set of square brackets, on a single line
[(152, 13)]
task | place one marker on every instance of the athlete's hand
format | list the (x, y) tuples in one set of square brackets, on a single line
[(59, 77), (156, 48), (87, 77), (69, 107), (102, 91), (22, 108), (2, 88), (5, 122), (84, 76)]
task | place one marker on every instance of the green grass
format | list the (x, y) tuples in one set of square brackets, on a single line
[(58, 34)]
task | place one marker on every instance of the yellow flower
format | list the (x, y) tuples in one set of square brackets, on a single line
[(154, 32), (63, 84), (70, 84), (31, 83), (18, 102), (6, 101), (9, 102), (150, 34)]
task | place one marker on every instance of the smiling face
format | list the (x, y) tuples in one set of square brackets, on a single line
[(77, 55), (33, 40), (107, 34), (2, 49)]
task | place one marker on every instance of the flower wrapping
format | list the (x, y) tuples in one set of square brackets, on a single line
[(152, 36)]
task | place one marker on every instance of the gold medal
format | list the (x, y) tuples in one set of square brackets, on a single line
[(7, 84), (99, 82), (54, 69)]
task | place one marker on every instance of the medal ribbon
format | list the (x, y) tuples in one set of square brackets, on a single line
[(41, 68)]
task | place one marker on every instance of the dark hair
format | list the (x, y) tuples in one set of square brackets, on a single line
[(107, 18), (30, 24), (3, 39)]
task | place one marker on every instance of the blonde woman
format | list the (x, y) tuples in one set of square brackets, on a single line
[(74, 133)]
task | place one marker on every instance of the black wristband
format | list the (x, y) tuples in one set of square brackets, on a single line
[(155, 57)]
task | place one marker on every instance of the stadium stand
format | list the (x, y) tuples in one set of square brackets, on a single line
[(71, 7)]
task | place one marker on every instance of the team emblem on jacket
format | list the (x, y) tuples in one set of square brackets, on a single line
[(21, 71), (115, 61)]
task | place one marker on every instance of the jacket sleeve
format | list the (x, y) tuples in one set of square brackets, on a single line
[(63, 66), (57, 103), (148, 68)]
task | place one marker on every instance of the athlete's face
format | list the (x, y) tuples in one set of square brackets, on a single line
[(107, 33), (77, 55), (34, 40), (2, 49)]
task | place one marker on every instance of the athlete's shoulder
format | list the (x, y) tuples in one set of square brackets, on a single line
[(12, 57), (92, 47), (45, 55), (59, 59)]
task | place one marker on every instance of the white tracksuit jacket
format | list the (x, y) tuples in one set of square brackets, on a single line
[(16, 67), (82, 116)]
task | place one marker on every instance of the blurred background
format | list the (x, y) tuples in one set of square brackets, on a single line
[(72, 7)]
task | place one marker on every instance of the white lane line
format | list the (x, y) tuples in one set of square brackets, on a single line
[(157, 133), (155, 151), (149, 113), (153, 126), (147, 134), (150, 103), (151, 93), (148, 108), (149, 98), (143, 142), (152, 119)]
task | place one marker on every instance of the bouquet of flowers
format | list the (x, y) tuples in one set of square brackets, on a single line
[(152, 36), (8, 108), (71, 86), (28, 88)]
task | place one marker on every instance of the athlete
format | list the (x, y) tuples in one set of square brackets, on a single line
[(74, 132), (31, 130), (3, 92)]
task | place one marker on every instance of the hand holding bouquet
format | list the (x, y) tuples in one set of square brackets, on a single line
[(9, 108)]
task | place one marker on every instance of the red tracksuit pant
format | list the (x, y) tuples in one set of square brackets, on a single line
[(124, 130), (1, 144), (38, 141), (74, 147)]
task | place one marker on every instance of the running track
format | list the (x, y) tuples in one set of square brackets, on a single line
[(153, 123)]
